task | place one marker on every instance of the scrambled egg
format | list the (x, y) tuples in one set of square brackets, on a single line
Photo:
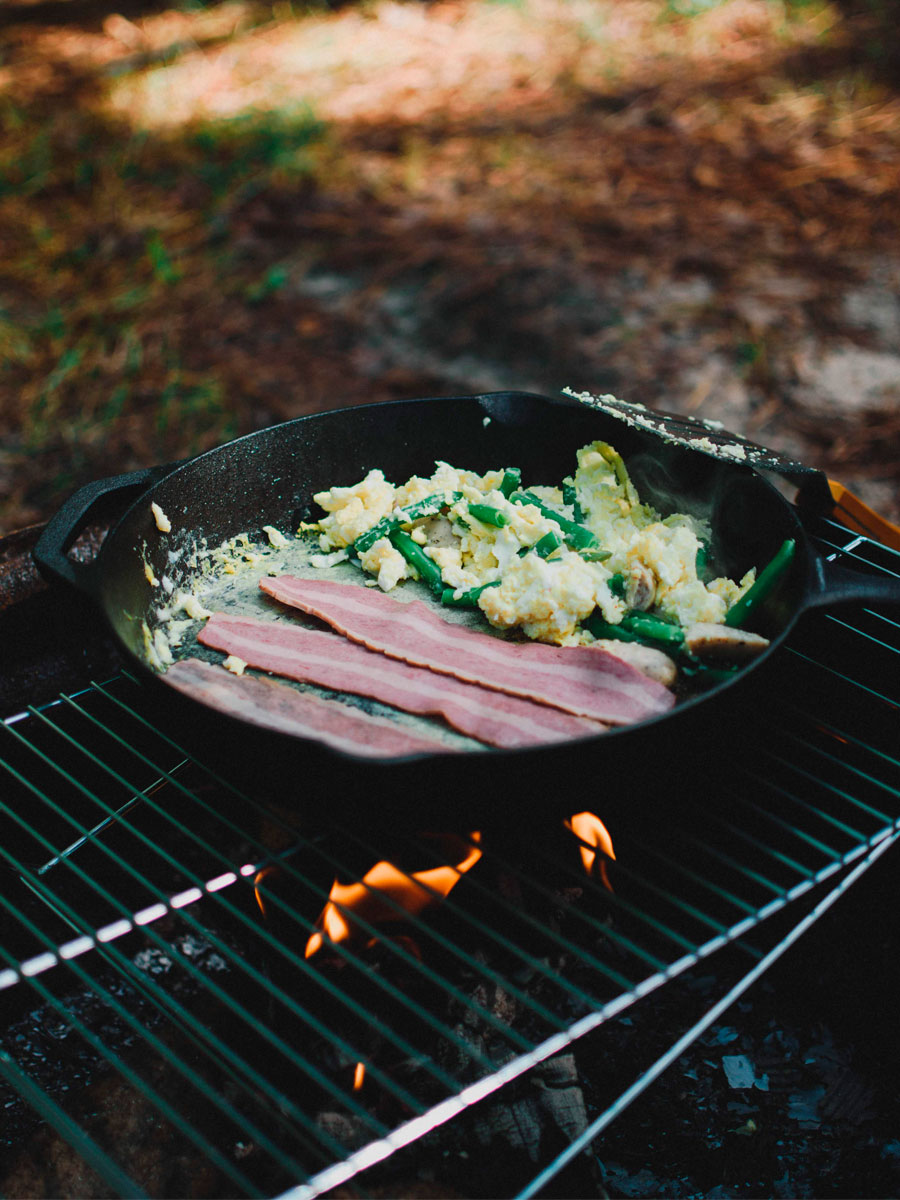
[(354, 510), (383, 561), (540, 579)]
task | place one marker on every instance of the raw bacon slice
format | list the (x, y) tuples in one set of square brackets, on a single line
[(277, 706), (578, 679), (313, 656)]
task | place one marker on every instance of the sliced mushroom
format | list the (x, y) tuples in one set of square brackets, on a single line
[(710, 641), (439, 532), (640, 587), (650, 662)]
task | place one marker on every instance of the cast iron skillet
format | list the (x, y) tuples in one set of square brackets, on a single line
[(269, 477)]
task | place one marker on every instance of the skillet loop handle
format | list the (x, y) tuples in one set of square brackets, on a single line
[(842, 585), (51, 551)]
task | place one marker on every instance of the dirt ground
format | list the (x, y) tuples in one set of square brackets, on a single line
[(216, 216)]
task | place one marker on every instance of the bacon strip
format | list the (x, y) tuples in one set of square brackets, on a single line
[(313, 656), (578, 679), (277, 706)]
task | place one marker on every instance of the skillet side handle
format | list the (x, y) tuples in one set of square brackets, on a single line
[(51, 551), (833, 584)]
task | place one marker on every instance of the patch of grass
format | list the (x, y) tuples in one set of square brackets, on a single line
[(271, 283), (255, 148), (164, 270), (192, 406), (692, 8)]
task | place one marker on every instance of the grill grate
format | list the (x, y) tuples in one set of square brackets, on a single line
[(156, 967)]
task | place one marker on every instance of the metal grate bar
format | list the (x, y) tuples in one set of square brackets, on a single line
[(679, 867), (837, 764), (851, 550), (278, 1044), (717, 1010), (615, 901), (667, 897), (789, 829), (862, 633), (279, 1105), (392, 992), (369, 1156), (841, 677), (114, 1060), (299, 877), (734, 864), (277, 945), (640, 953), (110, 820), (60, 1120), (403, 955), (801, 802), (218, 1046), (890, 759)]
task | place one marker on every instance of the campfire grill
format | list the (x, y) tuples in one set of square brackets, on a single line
[(161, 971)]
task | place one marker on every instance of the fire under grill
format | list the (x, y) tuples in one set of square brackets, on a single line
[(205, 993)]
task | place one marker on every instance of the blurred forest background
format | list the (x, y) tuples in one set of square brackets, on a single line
[(219, 215)]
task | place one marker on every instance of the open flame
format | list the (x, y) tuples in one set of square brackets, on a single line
[(261, 876), (589, 829), (388, 894)]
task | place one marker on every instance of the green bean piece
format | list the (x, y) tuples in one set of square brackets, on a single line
[(769, 578), (615, 460), (605, 629), (489, 515), (654, 629), (656, 617), (428, 506), (705, 675), (616, 584), (547, 545), (577, 536), (591, 555), (570, 497), (702, 560), (626, 631), (427, 569), (468, 599), (512, 479)]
